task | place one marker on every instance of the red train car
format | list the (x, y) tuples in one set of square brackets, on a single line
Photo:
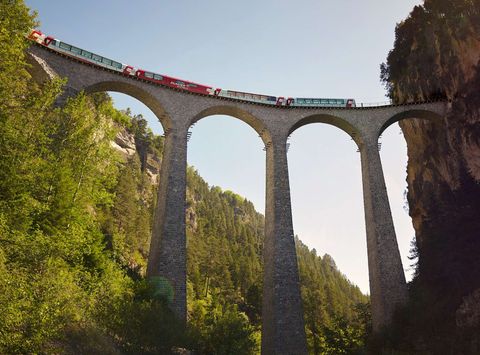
[(174, 82)]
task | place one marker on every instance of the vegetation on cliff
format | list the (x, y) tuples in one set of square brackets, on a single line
[(436, 54), (75, 221)]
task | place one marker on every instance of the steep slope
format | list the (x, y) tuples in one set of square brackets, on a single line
[(436, 54)]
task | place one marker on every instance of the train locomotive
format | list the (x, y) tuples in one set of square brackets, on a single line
[(98, 60)]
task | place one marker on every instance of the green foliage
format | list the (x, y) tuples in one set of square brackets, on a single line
[(58, 177), (335, 315), (225, 240), (15, 21), (143, 322), (221, 328), (145, 141), (129, 223)]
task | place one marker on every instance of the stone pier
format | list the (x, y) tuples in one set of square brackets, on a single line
[(167, 258), (283, 327), (388, 288)]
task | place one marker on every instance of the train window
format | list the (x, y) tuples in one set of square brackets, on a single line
[(192, 85), (65, 46), (148, 75), (86, 54), (117, 65), (106, 61), (96, 58), (76, 50), (178, 82), (157, 77)]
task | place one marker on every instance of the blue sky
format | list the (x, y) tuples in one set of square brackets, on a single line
[(302, 48)]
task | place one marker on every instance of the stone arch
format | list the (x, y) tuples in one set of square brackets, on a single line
[(414, 113), (136, 92), (332, 120), (242, 115)]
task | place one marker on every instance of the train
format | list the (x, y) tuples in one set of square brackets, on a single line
[(160, 79)]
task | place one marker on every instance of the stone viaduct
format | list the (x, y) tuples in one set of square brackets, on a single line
[(283, 326)]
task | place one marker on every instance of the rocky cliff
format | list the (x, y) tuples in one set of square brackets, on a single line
[(126, 144), (437, 54)]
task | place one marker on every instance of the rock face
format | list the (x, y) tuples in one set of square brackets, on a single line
[(444, 175), (444, 198), (437, 53), (124, 142), (152, 167), (126, 145)]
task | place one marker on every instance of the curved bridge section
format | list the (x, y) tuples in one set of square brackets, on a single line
[(283, 325)]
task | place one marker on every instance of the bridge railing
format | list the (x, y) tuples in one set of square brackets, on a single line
[(375, 104)]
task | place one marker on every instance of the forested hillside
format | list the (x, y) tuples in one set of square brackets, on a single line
[(437, 54), (77, 195)]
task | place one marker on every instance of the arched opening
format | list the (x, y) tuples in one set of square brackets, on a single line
[(419, 114), (394, 155), (335, 121), (133, 91), (225, 223), (328, 217), (126, 102)]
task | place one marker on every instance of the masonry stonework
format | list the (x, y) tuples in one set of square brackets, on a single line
[(283, 328), (167, 258), (388, 287), (283, 325)]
